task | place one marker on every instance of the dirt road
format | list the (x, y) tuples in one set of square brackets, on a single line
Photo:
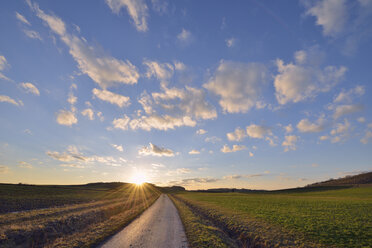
[(159, 226)]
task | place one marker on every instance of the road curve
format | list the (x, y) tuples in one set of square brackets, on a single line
[(159, 226)]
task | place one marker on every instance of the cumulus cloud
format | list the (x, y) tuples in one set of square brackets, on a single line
[(117, 147), (111, 97), (121, 123), (162, 71), (288, 129), (184, 105), (290, 142), (340, 132), (238, 85), (67, 118), (347, 96), (305, 78), (201, 131), (346, 109), (257, 131), (10, 100), (367, 136), (305, 126), (155, 151), (102, 69), (331, 15), (238, 135), (137, 10), (30, 88), (185, 36), (88, 113), (194, 152), (235, 148)]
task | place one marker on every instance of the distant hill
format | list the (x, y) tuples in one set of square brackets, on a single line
[(364, 178)]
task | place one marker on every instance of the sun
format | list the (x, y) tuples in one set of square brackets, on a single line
[(138, 178)]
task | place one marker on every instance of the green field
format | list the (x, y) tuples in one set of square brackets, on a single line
[(68, 216), (329, 218)]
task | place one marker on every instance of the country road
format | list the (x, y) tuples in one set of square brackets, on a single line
[(159, 226)]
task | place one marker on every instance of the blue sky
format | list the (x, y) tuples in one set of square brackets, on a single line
[(253, 94)]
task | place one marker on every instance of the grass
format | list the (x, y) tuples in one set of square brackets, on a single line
[(69, 216), (200, 231), (330, 218)]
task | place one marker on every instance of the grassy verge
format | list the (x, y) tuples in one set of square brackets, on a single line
[(200, 231), (335, 218), (77, 225)]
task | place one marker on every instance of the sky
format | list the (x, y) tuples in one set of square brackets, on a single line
[(203, 94)]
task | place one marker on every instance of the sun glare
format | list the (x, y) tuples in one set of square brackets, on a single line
[(138, 178)]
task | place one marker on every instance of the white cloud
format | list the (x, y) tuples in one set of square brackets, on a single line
[(22, 19), (367, 136), (185, 105), (89, 113), (121, 123), (25, 165), (238, 135), (305, 126), (79, 166), (324, 137), (102, 69), (163, 122), (201, 131), (235, 148), (346, 109), (66, 118), (137, 9), (74, 155), (8, 99), (289, 128), (347, 96), (32, 34), (183, 171), (258, 132), (118, 147), (230, 42), (330, 14), (238, 85), (29, 87), (185, 36), (290, 143), (212, 139), (113, 98), (3, 65), (155, 151), (162, 71), (72, 99), (179, 66), (340, 132), (361, 119), (194, 152), (300, 81)]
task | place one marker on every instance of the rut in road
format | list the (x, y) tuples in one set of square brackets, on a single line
[(159, 226)]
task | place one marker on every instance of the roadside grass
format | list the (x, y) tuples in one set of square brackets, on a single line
[(332, 218), (200, 232), (74, 225)]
